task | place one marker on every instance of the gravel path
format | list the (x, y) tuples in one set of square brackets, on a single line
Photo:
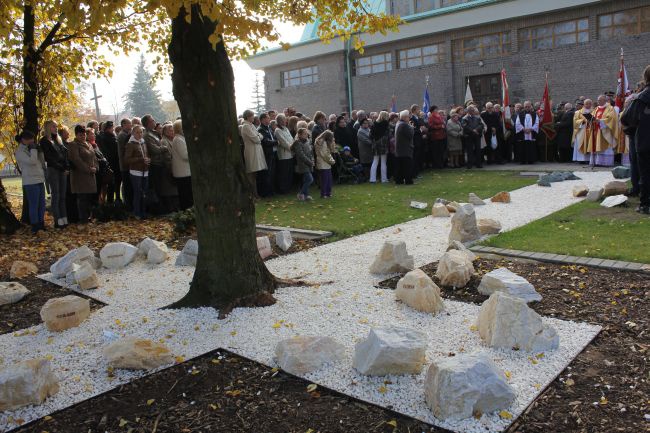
[(345, 307)]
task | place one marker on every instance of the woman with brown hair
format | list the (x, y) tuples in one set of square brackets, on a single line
[(84, 166)]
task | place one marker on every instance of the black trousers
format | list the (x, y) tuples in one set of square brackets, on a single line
[(643, 161), (437, 153), (284, 175), (566, 154), (528, 150), (634, 165), (84, 206), (404, 173), (114, 186), (474, 153), (266, 182), (185, 197), (127, 189)]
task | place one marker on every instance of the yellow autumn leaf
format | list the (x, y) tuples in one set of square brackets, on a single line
[(233, 333), (505, 414), (179, 359), (473, 328), (382, 389), (508, 374), (311, 387), (392, 423), (150, 401), (276, 325), (123, 422)]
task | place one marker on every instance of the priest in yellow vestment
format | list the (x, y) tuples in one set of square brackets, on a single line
[(605, 133), (583, 134)]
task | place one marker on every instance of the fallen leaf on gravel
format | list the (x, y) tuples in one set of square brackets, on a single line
[(569, 382), (150, 401), (392, 423), (383, 389), (505, 414), (123, 422), (311, 387)]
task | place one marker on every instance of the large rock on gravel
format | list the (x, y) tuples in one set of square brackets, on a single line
[(475, 200), (63, 266), (419, 292), (264, 246), (502, 197), (25, 383), (455, 269), (614, 187), (11, 292), (188, 255), (133, 353), (464, 385), (22, 269), (614, 200), (439, 210), (580, 190), (452, 206), (392, 258), (154, 251), (390, 350), (456, 245), (488, 226), (463, 224), (621, 172), (506, 281), (303, 354), (63, 313), (507, 322), (85, 276), (594, 195), (284, 240), (117, 255)]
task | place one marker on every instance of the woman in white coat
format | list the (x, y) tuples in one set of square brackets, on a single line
[(181, 167), (253, 152)]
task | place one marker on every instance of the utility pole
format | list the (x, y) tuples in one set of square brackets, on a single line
[(96, 99)]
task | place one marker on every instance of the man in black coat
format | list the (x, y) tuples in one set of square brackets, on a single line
[(270, 147), (637, 116), (492, 120), (527, 128), (107, 142), (564, 128), (473, 130)]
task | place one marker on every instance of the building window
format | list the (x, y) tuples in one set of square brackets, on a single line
[(625, 23), (482, 47), (429, 55), (298, 77), (445, 3), (555, 35), (424, 5), (401, 7), (374, 64)]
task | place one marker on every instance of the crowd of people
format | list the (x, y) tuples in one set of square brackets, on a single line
[(144, 165), (141, 165)]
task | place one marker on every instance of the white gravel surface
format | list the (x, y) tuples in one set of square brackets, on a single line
[(345, 307)]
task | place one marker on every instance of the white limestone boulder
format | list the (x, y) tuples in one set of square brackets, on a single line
[(154, 251), (264, 246), (463, 224), (455, 269), (475, 200), (456, 245), (390, 350), (506, 281), (614, 200), (419, 292), (85, 276), (188, 254), (303, 354), (22, 269), (452, 206), (12, 292), (284, 240), (464, 385), (133, 353), (117, 255), (25, 383), (594, 195), (392, 258), (63, 266), (580, 190), (507, 322), (439, 210), (66, 312), (488, 226)]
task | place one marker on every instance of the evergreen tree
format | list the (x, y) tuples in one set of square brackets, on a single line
[(143, 98), (259, 99)]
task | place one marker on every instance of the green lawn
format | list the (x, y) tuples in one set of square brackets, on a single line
[(13, 185), (356, 209), (584, 229)]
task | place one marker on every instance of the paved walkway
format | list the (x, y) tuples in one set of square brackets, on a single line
[(545, 166)]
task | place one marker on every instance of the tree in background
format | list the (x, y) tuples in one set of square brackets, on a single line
[(143, 98), (259, 98)]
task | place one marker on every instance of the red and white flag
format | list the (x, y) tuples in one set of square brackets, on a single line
[(546, 114), (623, 88), (505, 99)]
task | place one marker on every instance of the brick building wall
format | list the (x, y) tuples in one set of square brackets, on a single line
[(588, 68)]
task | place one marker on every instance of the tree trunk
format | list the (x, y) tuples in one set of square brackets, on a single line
[(30, 65), (229, 270), (8, 221)]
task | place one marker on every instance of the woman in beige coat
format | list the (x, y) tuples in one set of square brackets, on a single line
[(324, 162), (253, 152)]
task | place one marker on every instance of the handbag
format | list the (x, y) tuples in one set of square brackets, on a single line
[(494, 142)]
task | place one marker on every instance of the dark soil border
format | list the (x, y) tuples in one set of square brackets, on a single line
[(224, 392)]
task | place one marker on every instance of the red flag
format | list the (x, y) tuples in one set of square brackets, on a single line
[(505, 99), (546, 114), (622, 90)]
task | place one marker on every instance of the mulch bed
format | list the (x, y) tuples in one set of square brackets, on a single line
[(26, 312), (607, 387), (222, 392)]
